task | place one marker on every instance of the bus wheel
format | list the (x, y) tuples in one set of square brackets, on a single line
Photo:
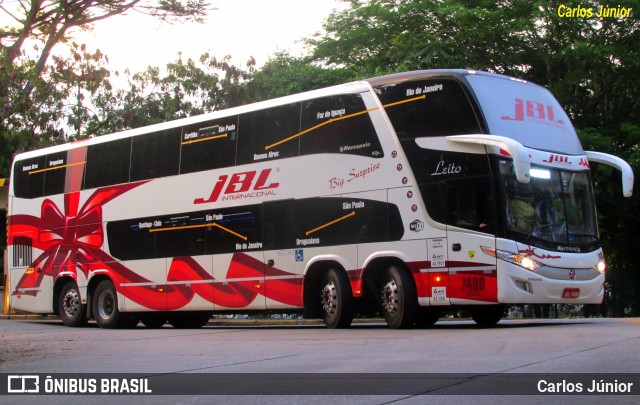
[(153, 321), (71, 310), (188, 320), (105, 308), (336, 299), (487, 316), (399, 298), (427, 317)]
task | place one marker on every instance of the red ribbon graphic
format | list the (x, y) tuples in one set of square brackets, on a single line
[(72, 239)]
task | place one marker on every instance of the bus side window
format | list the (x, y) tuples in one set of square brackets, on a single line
[(269, 134), (455, 186), (55, 175), (432, 107), (469, 204), (209, 145), (278, 225), (234, 229), (29, 177), (108, 163), (338, 124), (155, 155), (181, 237), (127, 240)]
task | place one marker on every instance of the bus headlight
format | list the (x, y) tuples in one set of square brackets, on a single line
[(601, 266), (517, 259)]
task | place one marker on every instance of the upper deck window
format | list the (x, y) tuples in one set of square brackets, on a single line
[(432, 107), (108, 163), (28, 177), (262, 133), (209, 145), (155, 155), (338, 124)]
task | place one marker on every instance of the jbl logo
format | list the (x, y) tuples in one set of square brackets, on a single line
[(239, 183), (532, 109)]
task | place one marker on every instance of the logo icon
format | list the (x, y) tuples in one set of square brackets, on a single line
[(299, 255), (572, 274), (23, 384), (416, 226), (248, 184)]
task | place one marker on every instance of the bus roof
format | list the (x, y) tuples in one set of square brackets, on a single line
[(352, 87), (347, 88), (459, 74)]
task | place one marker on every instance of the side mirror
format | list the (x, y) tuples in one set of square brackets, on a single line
[(624, 167)]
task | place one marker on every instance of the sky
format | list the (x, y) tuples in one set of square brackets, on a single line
[(240, 28)]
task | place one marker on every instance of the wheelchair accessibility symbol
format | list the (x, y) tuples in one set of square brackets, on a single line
[(299, 255)]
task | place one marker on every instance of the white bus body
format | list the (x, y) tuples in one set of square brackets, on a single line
[(402, 195)]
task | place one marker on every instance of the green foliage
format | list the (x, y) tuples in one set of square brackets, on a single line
[(284, 74), (46, 99), (187, 88)]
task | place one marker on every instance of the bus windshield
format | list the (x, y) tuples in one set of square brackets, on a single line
[(555, 208)]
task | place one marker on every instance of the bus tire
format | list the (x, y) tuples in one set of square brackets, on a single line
[(487, 316), (427, 317), (105, 308), (186, 320), (336, 300), (72, 312), (399, 298)]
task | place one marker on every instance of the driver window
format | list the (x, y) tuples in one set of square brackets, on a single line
[(469, 204)]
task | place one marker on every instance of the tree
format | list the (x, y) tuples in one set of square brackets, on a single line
[(33, 103), (188, 88), (284, 74)]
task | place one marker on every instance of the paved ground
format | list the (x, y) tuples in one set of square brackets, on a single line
[(34, 344)]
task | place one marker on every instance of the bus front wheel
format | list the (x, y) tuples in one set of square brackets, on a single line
[(336, 301)]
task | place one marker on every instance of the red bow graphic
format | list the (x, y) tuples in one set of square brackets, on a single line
[(73, 239), (69, 240)]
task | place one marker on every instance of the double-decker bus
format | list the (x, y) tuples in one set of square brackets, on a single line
[(403, 195)]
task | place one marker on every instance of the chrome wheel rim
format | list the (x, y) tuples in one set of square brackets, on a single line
[(391, 297), (329, 298), (71, 303)]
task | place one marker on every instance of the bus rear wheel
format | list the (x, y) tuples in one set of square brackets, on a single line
[(336, 301), (399, 298), (105, 308), (487, 316), (72, 312)]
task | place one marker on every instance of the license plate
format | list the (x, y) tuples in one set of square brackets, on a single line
[(571, 293)]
